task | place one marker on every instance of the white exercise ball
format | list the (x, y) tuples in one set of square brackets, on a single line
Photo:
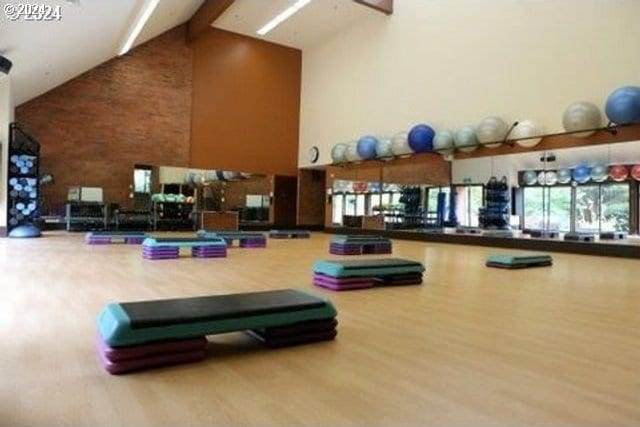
[(400, 144), (465, 138), (526, 129), (582, 115), (491, 129), (443, 142), (383, 147), (352, 152)]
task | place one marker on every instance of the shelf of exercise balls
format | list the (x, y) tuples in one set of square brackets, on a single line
[(23, 189)]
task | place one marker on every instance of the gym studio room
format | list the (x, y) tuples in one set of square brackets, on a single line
[(320, 213)]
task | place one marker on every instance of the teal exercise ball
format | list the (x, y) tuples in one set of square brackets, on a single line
[(491, 129), (599, 173), (465, 139), (623, 105), (530, 177), (564, 176), (581, 115), (526, 129), (443, 142), (383, 148), (366, 147), (352, 154), (339, 153), (400, 144)]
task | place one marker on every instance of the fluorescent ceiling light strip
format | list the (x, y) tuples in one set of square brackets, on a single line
[(283, 16), (142, 19)]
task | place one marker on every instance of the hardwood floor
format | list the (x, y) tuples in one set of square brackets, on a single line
[(472, 346)]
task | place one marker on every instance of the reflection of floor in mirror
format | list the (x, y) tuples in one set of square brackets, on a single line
[(471, 345)]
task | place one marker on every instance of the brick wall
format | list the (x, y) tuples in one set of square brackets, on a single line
[(130, 110)]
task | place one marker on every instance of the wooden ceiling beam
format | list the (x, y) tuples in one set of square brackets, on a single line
[(384, 6), (205, 16)]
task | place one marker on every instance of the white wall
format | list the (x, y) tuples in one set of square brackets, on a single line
[(453, 62), (6, 117), (478, 170)]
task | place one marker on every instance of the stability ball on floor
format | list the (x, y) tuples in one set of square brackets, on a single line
[(523, 133), (352, 154), (581, 174), (383, 148), (564, 176), (465, 138), (400, 144), (339, 153), (443, 142), (421, 138), (618, 173), (366, 147), (599, 173), (581, 115), (491, 129), (623, 105)]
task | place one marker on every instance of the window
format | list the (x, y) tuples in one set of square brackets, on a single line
[(432, 198), (533, 211), (142, 179), (360, 202), (614, 207), (588, 208), (350, 204), (559, 210), (338, 206), (469, 200)]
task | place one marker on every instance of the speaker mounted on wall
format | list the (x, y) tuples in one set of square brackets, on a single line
[(5, 65)]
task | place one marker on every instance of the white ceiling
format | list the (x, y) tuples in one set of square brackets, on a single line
[(47, 54), (316, 22)]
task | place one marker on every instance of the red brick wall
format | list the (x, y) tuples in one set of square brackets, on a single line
[(130, 110)]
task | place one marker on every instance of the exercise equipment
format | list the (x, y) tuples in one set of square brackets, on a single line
[(613, 235), (581, 174), (492, 129), (580, 237), (137, 335), (599, 173), (468, 230), (623, 105), (635, 172), (496, 213), (530, 177), (465, 139), (156, 248), (618, 173), (383, 148), (400, 144), (523, 132), (289, 234), (543, 234), (581, 115), (443, 142), (359, 245), (108, 237), (564, 176), (512, 262), (501, 234), (351, 154), (359, 274), (366, 147), (421, 138), (245, 239)]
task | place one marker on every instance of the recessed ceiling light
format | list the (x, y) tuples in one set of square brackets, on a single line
[(283, 16), (141, 19)]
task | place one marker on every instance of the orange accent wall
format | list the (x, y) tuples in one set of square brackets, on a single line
[(246, 104)]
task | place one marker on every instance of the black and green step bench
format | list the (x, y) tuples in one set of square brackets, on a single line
[(341, 275), (169, 247), (245, 239), (107, 237), (512, 262), (289, 234), (138, 335), (359, 245)]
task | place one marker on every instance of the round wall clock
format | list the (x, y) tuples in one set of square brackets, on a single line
[(313, 154)]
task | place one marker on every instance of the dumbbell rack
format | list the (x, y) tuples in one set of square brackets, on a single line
[(23, 187)]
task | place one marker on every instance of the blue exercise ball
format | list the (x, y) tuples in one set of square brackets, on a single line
[(443, 142), (383, 148), (339, 153), (421, 138), (530, 177), (366, 147), (564, 176), (623, 105), (465, 138), (581, 174), (599, 172)]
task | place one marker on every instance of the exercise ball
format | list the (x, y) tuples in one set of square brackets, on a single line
[(400, 144), (465, 139), (635, 172), (618, 173), (623, 105), (530, 177), (491, 129), (421, 138), (599, 173), (548, 178), (443, 142), (525, 129), (581, 115), (383, 148), (564, 176), (366, 147), (581, 174), (339, 153), (352, 154)]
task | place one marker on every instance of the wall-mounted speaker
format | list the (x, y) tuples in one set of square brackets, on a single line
[(5, 65)]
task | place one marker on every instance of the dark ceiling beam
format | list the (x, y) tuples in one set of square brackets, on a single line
[(384, 6), (204, 17)]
